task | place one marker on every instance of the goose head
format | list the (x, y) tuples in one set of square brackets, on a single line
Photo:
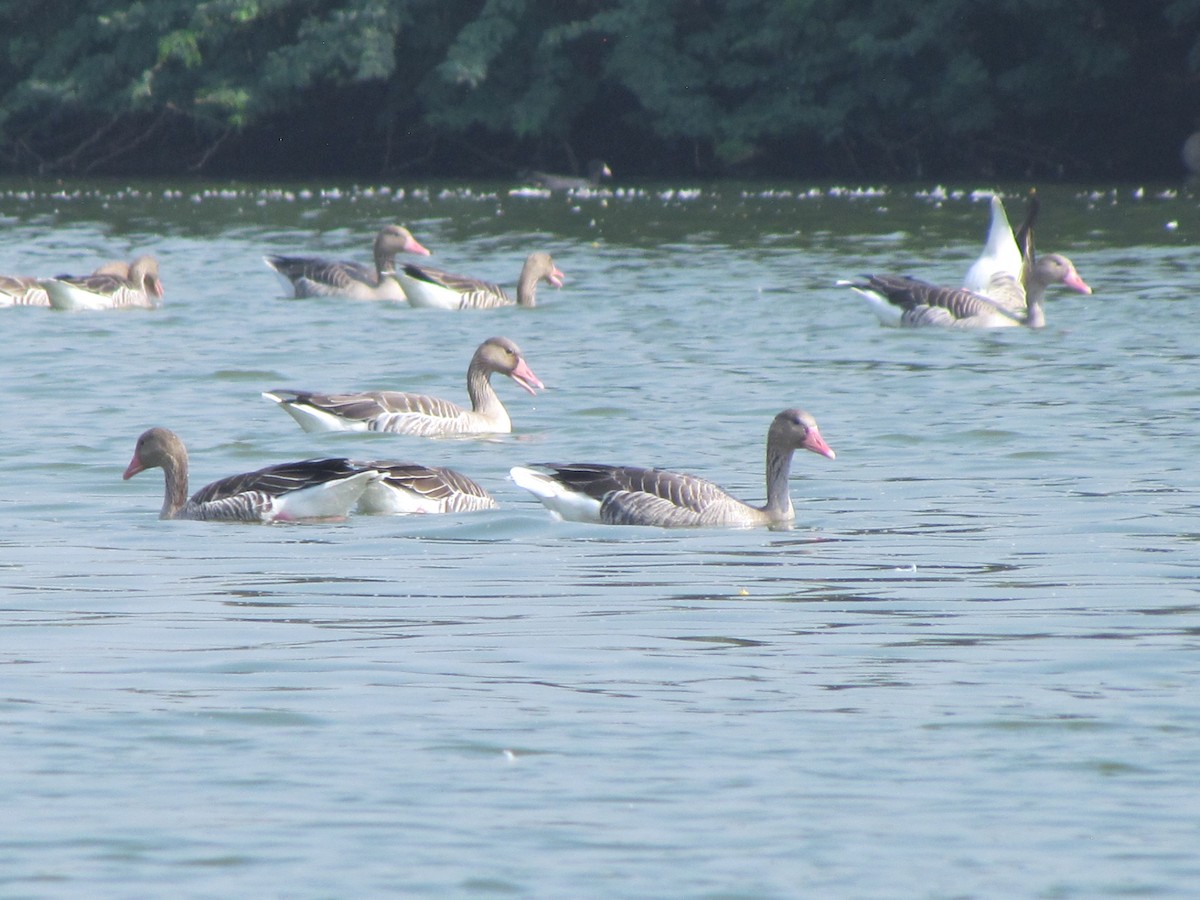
[(499, 354), (1054, 268), (158, 447), (795, 429)]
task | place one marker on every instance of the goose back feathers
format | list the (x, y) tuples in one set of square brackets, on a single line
[(631, 495), (431, 288)]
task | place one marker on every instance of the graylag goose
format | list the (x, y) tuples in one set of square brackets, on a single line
[(597, 169), (112, 286), (311, 489), (434, 289), (310, 276), (901, 300), (408, 488), (418, 414), (24, 290), (627, 495)]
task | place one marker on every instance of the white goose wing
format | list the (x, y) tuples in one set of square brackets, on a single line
[(1000, 255)]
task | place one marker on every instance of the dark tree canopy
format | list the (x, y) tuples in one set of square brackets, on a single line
[(798, 88)]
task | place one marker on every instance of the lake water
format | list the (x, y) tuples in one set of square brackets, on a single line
[(970, 670)]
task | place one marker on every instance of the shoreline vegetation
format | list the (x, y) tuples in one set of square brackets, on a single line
[(1052, 90)]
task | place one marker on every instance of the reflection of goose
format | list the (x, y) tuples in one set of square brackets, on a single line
[(314, 277), (312, 489), (625, 495), (906, 301), (413, 488), (108, 288), (597, 169), (417, 413), (433, 288)]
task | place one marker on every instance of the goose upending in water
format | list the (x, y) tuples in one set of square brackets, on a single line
[(629, 495)]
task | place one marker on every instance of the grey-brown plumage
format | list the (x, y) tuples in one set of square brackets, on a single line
[(907, 301), (408, 487), (109, 287), (314, 488), (431, 288), (419, 414), (21, 290), (1024, 236), (597, 169), (631, 495), (922, 303), (317, 277)]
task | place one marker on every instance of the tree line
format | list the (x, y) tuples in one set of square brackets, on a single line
[(1047, 89)]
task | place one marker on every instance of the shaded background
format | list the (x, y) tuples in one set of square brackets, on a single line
[(1046, 89)]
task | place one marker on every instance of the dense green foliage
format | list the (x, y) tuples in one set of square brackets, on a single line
[(1027, 88)]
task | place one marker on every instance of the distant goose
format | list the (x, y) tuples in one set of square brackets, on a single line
[(435, 289), (315, 277), (901, 300), (597, 169), (625, 495), (419, 414), (110, 287), (312, 489), (412, 488)]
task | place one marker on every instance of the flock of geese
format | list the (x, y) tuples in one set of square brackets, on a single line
[(1005, 287)]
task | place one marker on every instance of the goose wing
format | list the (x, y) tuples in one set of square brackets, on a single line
[(321, 277), (448, 489), (254, 496), (273, 481), (1024, 236), (373, 404), (637, 508), (672, 488), (475, 292)]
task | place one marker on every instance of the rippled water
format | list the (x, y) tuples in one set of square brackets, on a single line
[(969, 671)]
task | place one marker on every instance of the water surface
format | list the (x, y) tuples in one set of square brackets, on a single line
[(970, 669)]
